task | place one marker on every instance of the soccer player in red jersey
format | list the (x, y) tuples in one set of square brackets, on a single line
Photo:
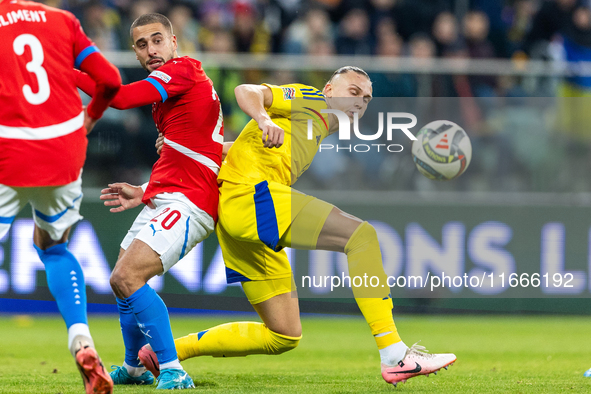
[(181, 197), (43, 129)]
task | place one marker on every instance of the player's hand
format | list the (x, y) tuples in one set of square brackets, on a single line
[(122, 196), (272, 134), (88, 122), (159, 143)]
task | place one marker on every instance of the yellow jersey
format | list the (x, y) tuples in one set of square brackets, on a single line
[(294, 108)]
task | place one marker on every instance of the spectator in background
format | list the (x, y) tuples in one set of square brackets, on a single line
[(225, 80), (575, 91), (314, 27), (476, 29), (354, 37), (143, 7), (250, 34), (446, 33), (391, 84), (101, 25), (518, 18), (319, 48), (389, 45), (421, 46), (185, 28), (417, 16), (385, 27), (577, 48), (381, 16), (214, 18), (552, 18)]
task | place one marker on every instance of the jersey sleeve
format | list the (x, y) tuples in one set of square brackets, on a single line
[(133, 95), (83, 46), (174, 78), (105, 75), (284, 94)]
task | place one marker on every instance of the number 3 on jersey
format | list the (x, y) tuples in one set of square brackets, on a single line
[(34, 66)]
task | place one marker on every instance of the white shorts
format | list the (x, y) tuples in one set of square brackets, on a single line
[(172, 227), (55, 208)]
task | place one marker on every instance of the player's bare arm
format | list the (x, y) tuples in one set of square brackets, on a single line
[(122, 196), (253, 99)]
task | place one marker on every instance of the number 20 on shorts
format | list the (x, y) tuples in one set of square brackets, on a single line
[(170, 219)]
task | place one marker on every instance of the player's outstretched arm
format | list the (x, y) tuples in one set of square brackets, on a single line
[(107, 82), (133, 95), (122, 196), (103, 74), (253, 100)]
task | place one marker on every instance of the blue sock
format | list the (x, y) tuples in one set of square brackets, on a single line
[(132, 335), (66, 282), (152, 317)]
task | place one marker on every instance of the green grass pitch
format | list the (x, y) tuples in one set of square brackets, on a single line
[(336, 355)]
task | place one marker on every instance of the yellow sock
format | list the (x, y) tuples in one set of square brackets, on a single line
[(365, 258), (234, 340)]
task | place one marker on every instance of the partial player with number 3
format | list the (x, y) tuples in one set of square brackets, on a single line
[(43, 129), (181, 197)]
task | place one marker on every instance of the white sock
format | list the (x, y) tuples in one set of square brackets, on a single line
[(175, 364), (78, 329), (392, 354), (134, 371)]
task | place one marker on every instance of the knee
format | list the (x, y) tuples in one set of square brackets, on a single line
[(121, 283), (364, 234), (367, 231), (283, 343), (115, 280)]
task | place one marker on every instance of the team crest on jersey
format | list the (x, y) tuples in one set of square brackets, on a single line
[(160, 75), (288, 93)]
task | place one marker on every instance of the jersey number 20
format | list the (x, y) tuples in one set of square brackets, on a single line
[(34, 66)]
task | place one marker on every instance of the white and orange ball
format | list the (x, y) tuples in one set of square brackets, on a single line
[(442, 150)]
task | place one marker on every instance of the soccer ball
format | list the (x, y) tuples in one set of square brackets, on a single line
[(442, 150)]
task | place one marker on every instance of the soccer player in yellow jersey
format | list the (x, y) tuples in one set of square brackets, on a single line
[(259, 214)]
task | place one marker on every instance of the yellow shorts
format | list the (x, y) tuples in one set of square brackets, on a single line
[(255, 223), (258, 291)]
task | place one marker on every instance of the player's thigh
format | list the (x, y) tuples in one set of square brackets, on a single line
[(261, 212), (12, 201), (337, 230), (251, 261), (56, 208), (281, 313), (236, 211), (309, 219), (171, 230), (134, 268)]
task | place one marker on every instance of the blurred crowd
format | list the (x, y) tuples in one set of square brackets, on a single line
[(421, 28), (122, 146)]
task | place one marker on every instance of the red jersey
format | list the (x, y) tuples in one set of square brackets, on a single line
[(187, 110), (190, 118), (42, 138)]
